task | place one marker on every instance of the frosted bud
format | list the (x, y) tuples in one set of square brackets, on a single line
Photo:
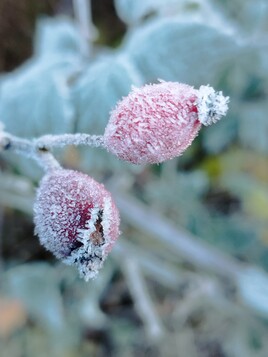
[(76, 219), (157, 122)]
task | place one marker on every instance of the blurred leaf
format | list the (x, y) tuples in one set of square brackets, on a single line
[(217, 137), (250, 16), (254, 198), (36, 286), (230, 232), (12, 314), (177, 195), (55, 36), (244, 161), (35, 99), (186, 52), (95, 94), (253, 288), (134, 12), (97, 91), (211, 166), (253, 126)]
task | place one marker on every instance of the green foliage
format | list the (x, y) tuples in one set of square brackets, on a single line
[(218, 190)]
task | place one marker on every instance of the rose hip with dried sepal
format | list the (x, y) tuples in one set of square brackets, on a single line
[(76, 219), (159, 121)]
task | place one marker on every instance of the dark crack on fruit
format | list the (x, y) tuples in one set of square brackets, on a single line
[(97, 237)]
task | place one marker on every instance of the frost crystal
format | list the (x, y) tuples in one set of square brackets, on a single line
[(76, 220), (211, 105)]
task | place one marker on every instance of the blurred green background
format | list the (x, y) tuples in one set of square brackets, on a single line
[(189, 274)]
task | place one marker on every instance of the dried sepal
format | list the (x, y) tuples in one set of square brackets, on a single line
[(211, 105)]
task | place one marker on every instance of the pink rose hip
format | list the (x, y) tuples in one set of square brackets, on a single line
[(159, 121), (76, 219)]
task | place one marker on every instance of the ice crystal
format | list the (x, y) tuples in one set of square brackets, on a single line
[(211, 105), (76, 220)]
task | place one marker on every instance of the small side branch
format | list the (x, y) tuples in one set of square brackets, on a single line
[(82, 12), (39, 149), (189, 247), (142, 299), (26, 147), (50, 141)]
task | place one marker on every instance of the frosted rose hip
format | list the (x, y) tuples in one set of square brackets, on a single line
[(158, 122), (76, 219)]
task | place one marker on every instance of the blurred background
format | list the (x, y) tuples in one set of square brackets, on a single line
[(188, 276)]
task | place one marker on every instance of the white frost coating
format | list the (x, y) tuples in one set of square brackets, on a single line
[(90, 256), (76, 220), (211, 105), (107, 220), (146, 126), (50, 141)]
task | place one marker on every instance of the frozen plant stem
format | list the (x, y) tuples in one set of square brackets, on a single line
[(82, 12), (39, 149), (152, 124), (155, 268), (26, 147), (142, 300), (187, 246), (50, 141)]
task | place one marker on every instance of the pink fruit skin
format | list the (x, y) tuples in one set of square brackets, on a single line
[(153, 123), (63, 208)]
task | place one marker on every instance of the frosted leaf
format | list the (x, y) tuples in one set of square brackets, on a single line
[(55, 36), (252, 17), (253, 288), (37, 287), (253, 125), (99, 88), (186, 52), (76, 220), (35, 98), (133, 12)]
